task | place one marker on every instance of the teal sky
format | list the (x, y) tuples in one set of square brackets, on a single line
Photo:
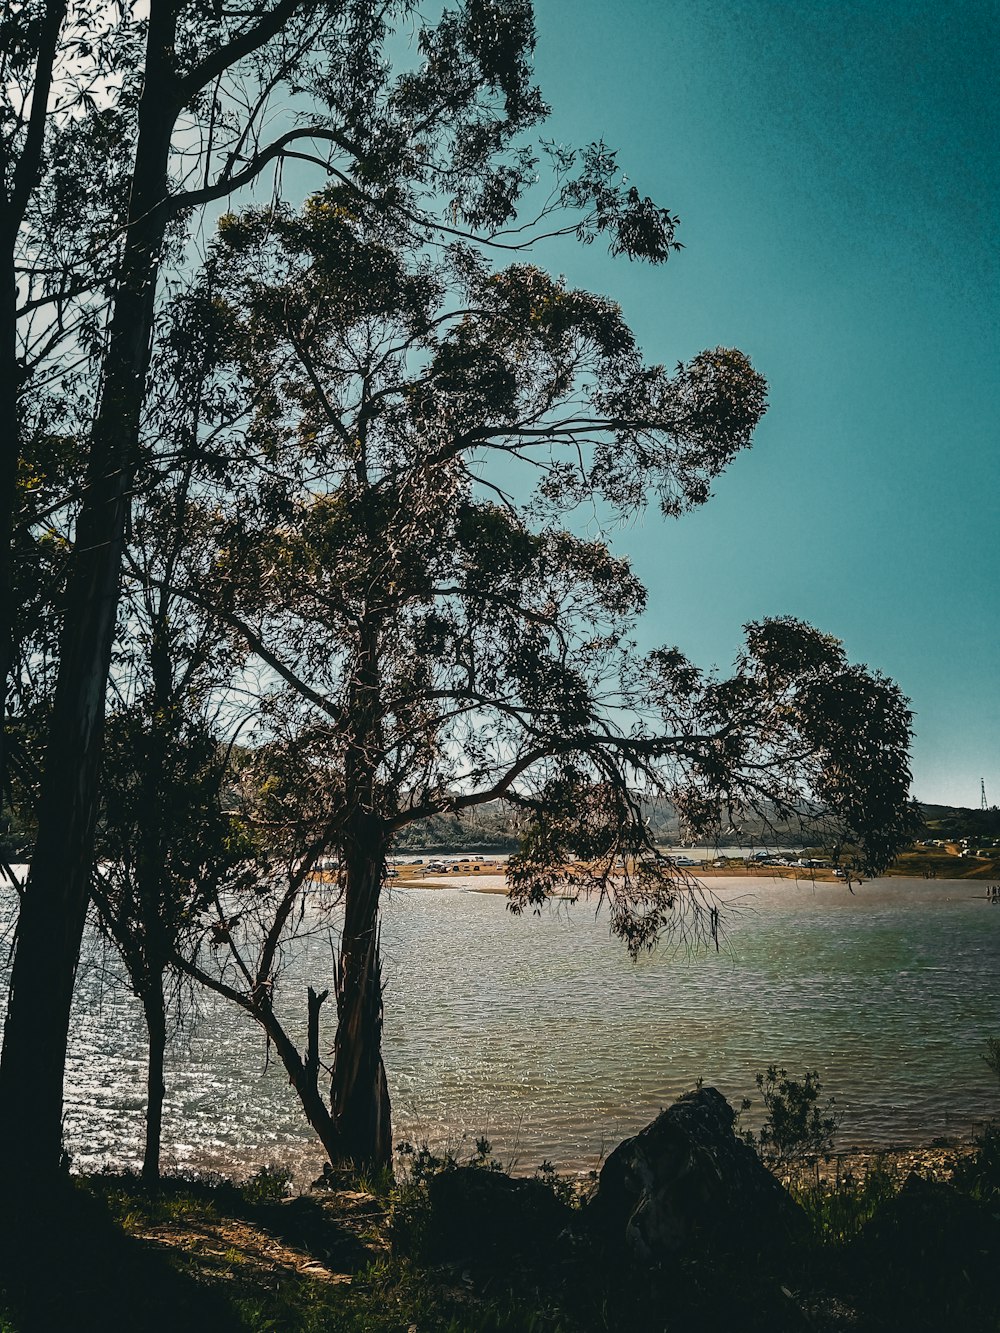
[(833, 166)]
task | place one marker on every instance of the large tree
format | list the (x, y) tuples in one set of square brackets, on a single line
[(170, 112), (426, 457)]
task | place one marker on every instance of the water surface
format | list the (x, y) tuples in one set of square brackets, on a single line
[(541, 1034)]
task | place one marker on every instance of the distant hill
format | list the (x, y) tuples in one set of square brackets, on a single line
[(494, 827), (955, 822), (490, 828)]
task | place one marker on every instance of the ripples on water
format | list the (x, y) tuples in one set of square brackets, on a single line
[(543, 1035)]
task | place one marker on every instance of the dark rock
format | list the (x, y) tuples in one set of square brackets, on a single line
[(931, 1254), (687, 1186), (477, 1215)]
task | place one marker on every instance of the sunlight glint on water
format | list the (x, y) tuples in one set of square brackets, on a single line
[(543, 1035)]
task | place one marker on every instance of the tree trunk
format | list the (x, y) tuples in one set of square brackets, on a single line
[(53, 908), (359, 1093), (155, 1010), (10, 448), (304, 1074), (18, 180)]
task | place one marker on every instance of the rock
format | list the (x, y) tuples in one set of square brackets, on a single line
[(931, 1253), (486, 1216), (686, 1185)]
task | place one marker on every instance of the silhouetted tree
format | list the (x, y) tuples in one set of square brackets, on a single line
[(173, 112), (170, 841), (412, 439)]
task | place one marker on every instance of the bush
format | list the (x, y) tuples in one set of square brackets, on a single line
[(979, 1174), (270, 1184), (992, 1056), (795, 1129)]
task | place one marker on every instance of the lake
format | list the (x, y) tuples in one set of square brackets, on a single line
[(541, 1034)]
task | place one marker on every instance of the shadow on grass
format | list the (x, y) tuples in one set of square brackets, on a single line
[(330, 1234), (66, 1264)]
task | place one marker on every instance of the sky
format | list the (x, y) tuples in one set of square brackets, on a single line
[(833, 166)]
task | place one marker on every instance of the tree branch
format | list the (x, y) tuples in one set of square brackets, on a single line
[(227, 185), (226, 56)]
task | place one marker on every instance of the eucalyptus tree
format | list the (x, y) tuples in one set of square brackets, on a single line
[(188, 96), (427, 456), (171, 842), (62, 191)]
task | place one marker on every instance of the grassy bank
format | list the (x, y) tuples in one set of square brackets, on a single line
[(204, 1253)]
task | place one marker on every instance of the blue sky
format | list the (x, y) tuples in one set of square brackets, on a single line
[(833, 165)]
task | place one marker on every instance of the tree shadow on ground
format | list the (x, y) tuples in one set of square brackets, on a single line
[(66, 1264)]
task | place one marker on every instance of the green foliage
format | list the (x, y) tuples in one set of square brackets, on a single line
[(270, 1184), (391, 1296), (566, 1189), (378, 1181), (135, 1205), (979, 1173), (795, 1128), (418, 1164), (838, 1208), (992, 1056), (190, 1194)]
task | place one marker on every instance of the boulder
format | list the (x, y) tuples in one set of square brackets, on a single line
[(686, 1186), (929, 1257), (477, 1215)]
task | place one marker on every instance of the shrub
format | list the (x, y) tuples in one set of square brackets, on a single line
[(268, 1185), (992, 1056), (795, 1128), (979, 1174)]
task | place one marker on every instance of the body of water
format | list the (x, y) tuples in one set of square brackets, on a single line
[(543, 1035)]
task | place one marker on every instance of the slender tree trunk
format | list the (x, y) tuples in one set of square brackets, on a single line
[(360, 1093), (153, 896), (53, 908), (155, 1009), (304, 1074), (18, 180), (10, 448)]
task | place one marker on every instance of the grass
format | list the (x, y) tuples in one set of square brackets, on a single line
[(206, 1253), (202, 1252), (838, 1208)]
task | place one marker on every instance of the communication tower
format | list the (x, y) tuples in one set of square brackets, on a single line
[(982, 794)]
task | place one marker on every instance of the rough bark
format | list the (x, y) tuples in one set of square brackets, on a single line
[(17, 182), (359, 1092), (9, 454)]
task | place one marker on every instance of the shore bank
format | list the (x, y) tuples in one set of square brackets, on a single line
[(372, 1256)]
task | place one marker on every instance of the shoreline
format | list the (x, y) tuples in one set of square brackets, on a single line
[(493, 880)]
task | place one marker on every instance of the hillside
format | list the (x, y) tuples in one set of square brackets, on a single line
[(494, 827)]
